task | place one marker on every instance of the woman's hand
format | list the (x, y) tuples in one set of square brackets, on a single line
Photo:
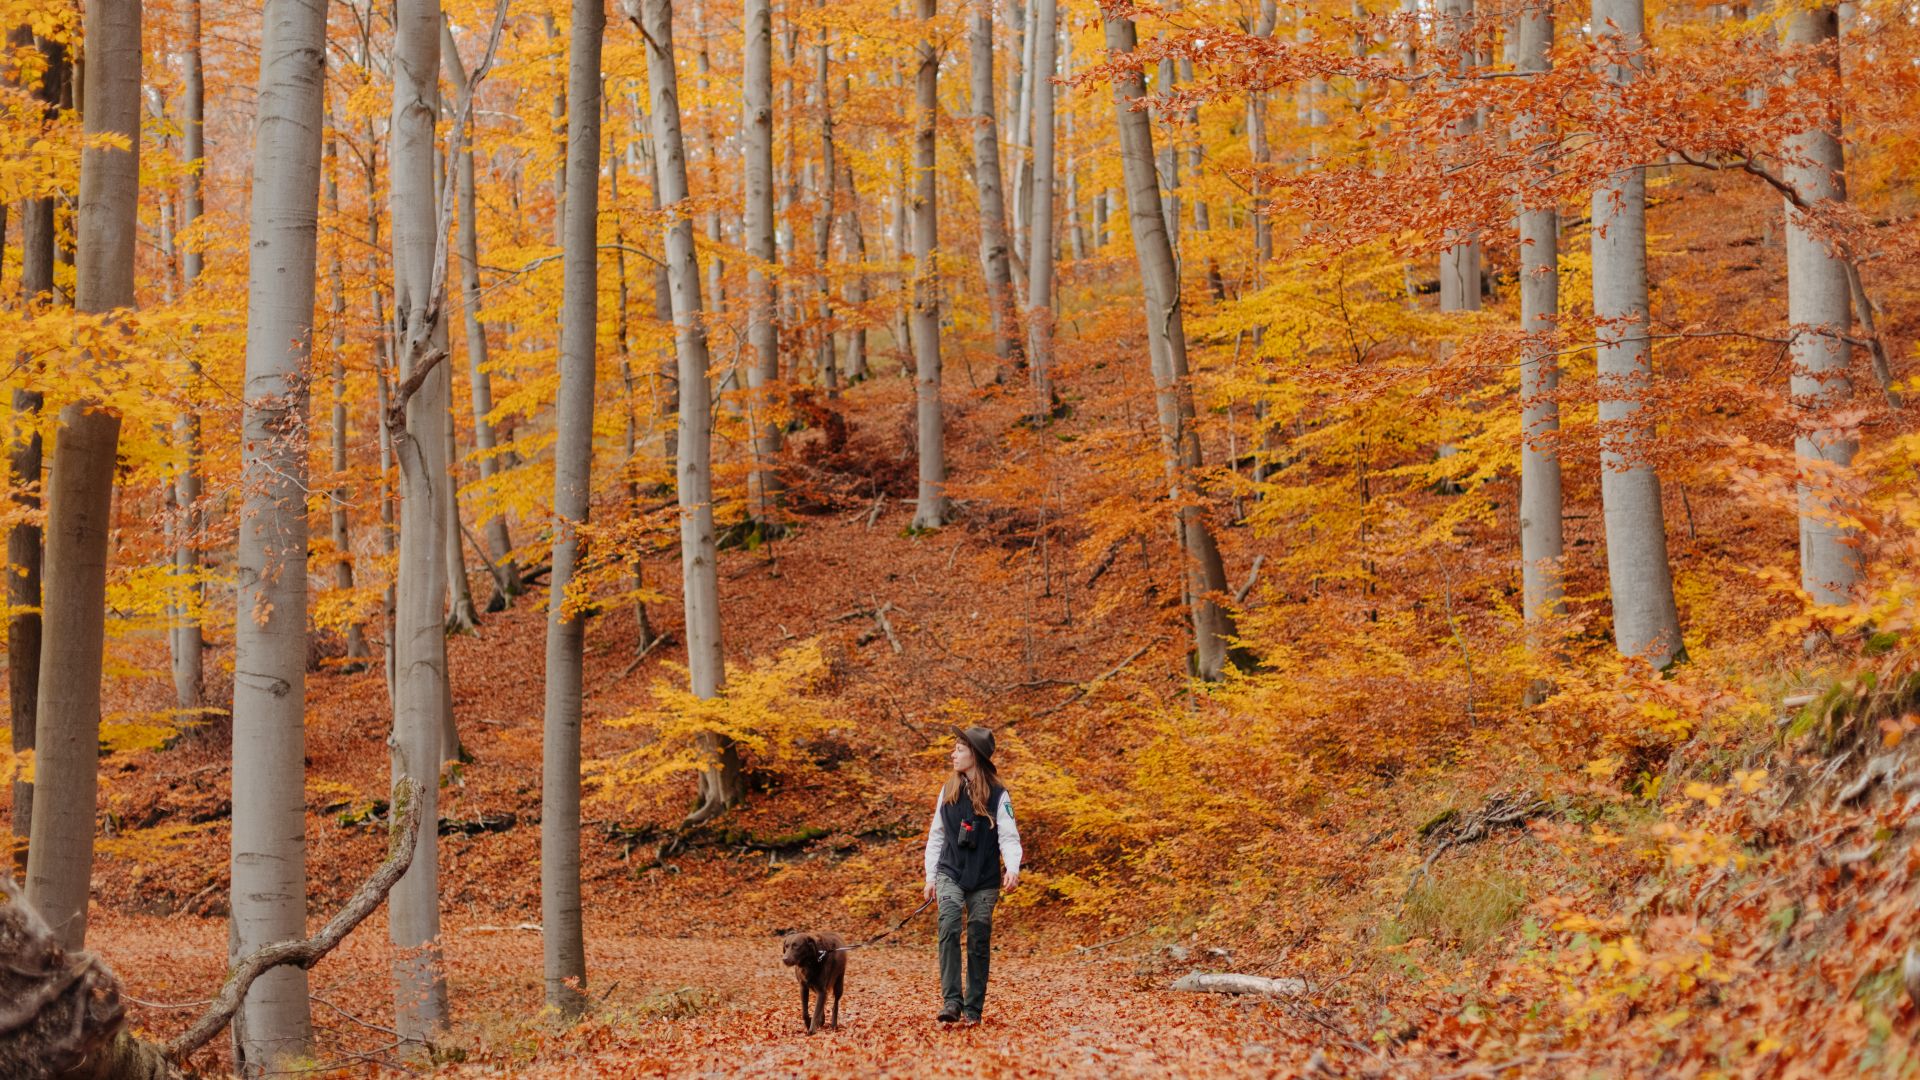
[(1008, 879), (927, 893)]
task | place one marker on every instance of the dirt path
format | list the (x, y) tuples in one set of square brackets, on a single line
[(725, 1007)]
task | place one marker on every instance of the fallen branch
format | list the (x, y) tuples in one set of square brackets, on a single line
[(658, 639), (1239, 984), (1088, 686), (401, 842), (63, 1015)]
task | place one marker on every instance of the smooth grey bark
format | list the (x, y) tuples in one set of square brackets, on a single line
[(1542, 544), (1646, 622), (763, 333), (721, 782), (856, 289), (479, 378), (1205, 573), (269, 849), (995, 265), (1042, 27), (188, 642), (1460, 261), (339, 498), (563, 937), (418, 434), (1819, 307), (1029, 40), (824, 364), (930, 509), (80, 491), (25, 460)]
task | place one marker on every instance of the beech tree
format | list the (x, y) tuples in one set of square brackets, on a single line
[(270, 620), (1040, 235), (417, 419), (1204, 571), (499, 542), (763, 333), (563, 937), (995, 264), (721, 782), (25, 459), (1820, 311), (930, 508), (1541, 540), (1646, 622), (80, 490), (189, 644)]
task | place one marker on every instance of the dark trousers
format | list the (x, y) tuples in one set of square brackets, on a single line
[(976, 910)]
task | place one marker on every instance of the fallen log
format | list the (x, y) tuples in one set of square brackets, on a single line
[(64, 1017), (1228, 983)]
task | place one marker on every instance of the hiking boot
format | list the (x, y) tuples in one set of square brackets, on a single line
[(969, 1020), (949, 1015)]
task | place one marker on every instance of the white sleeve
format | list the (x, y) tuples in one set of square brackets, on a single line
[(936, 836), (1009, 835)]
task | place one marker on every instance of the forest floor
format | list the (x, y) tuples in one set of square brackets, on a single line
[(725, 1007)]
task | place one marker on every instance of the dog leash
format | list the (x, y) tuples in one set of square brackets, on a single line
[(883, 935)]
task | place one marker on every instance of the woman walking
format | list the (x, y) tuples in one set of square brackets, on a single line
[(973, 855)]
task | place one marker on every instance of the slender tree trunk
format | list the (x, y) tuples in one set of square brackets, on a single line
[(994, 262), (1040, 232), (340, 496), (1542, 544), (23, 540), (1206, 577), (1460, 262), (662, 304), (270, 619), (80, 491), (1646, 622), (856, 363), (930, 511), (1070, 153), (419, 443), (189, 644), (1029, 39), (564, 938), (763, 334), (630, 441), (1820, 309), (824, 363), (480, 379), (721, 782)]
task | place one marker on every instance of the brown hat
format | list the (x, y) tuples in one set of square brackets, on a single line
[(980, 739)]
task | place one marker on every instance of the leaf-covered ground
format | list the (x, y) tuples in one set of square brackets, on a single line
[(725, 1007)]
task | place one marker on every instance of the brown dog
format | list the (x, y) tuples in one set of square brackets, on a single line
[(819, 962)]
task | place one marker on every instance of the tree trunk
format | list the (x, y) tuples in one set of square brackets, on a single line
[(23, 540), (418, 432), (1460, 262), (1206, 577), (824, 364), (1028, 36), (763, 335), (565, 943), (994, 261), (856, 363), (189, 644), (340, 496), (1040, 233), (1646, 622), (80, 492), (480, 380), (1820, 310), (1541, 541), (930, 512), (270, 620), (721, 782)]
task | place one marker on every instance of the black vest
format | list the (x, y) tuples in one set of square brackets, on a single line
[(979, 866)]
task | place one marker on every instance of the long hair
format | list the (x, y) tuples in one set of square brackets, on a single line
[(980, 782)]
